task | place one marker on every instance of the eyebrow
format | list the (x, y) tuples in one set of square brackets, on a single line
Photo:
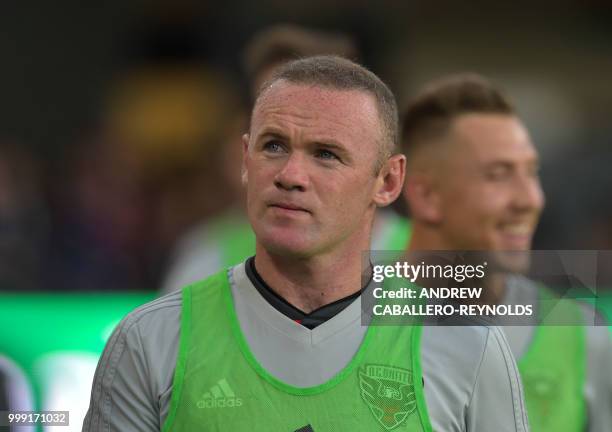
[(271, 133), (505, 163), (498, 163), (330, 144)]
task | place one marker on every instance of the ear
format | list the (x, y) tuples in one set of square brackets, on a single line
[(245, 156), (423, 197), (390, 180)]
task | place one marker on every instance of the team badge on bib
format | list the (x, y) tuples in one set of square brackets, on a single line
[(389, 392)]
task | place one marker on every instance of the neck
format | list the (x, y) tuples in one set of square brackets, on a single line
[(312, 282), (426, 239), (494, 288)]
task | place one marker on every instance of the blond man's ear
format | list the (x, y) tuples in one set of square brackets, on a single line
[(245, 154), (423, 199)]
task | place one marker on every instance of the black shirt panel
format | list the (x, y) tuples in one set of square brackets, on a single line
[(309, 320)]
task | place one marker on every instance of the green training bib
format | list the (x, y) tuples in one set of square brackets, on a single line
[(553, 369), (220, 386)]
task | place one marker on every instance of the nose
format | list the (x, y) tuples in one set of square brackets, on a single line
[(529, 195), (293, 174)]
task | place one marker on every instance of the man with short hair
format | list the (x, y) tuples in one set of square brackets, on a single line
[(228, 239), (472, 184), (276, 343)]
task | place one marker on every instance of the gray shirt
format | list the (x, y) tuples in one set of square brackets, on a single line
[(471, 379)]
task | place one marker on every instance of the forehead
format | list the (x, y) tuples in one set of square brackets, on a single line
[(491, 137), (317, 109)]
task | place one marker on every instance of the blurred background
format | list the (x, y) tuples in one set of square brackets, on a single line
[(114, 117), (120, 129)]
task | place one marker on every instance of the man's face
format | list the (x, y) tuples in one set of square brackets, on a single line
[(309, 166), (490, 194)]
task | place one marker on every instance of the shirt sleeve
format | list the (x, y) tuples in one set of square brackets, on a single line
[(497, 402), (133, 381), (121, 398)]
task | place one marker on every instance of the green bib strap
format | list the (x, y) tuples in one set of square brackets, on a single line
[(220, 386)]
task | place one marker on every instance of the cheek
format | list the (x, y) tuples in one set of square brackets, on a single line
[(259, 176), (496, 199), (357, 191), (487, 211), (347, 196), (477, 207), (256, 183)]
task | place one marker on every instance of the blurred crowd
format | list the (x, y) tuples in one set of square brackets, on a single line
[(137, 202)]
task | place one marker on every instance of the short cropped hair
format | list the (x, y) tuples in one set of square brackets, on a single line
[(431, 113), (286, 42), (337, 73)]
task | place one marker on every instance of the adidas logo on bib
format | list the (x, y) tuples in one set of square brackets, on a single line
[(220, 395)]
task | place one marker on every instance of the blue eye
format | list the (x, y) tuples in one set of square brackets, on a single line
[(326, 154), (273, 147)]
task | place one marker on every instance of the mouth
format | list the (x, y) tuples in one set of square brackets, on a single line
[(517, 235), (288, 207)]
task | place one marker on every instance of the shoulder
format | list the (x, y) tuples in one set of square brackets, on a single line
[(149, 335), (145, 344), (136, 368), (458, 349), (470, 366), (155, 315)]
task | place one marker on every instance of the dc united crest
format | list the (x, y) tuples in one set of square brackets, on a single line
[(389, 392)]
